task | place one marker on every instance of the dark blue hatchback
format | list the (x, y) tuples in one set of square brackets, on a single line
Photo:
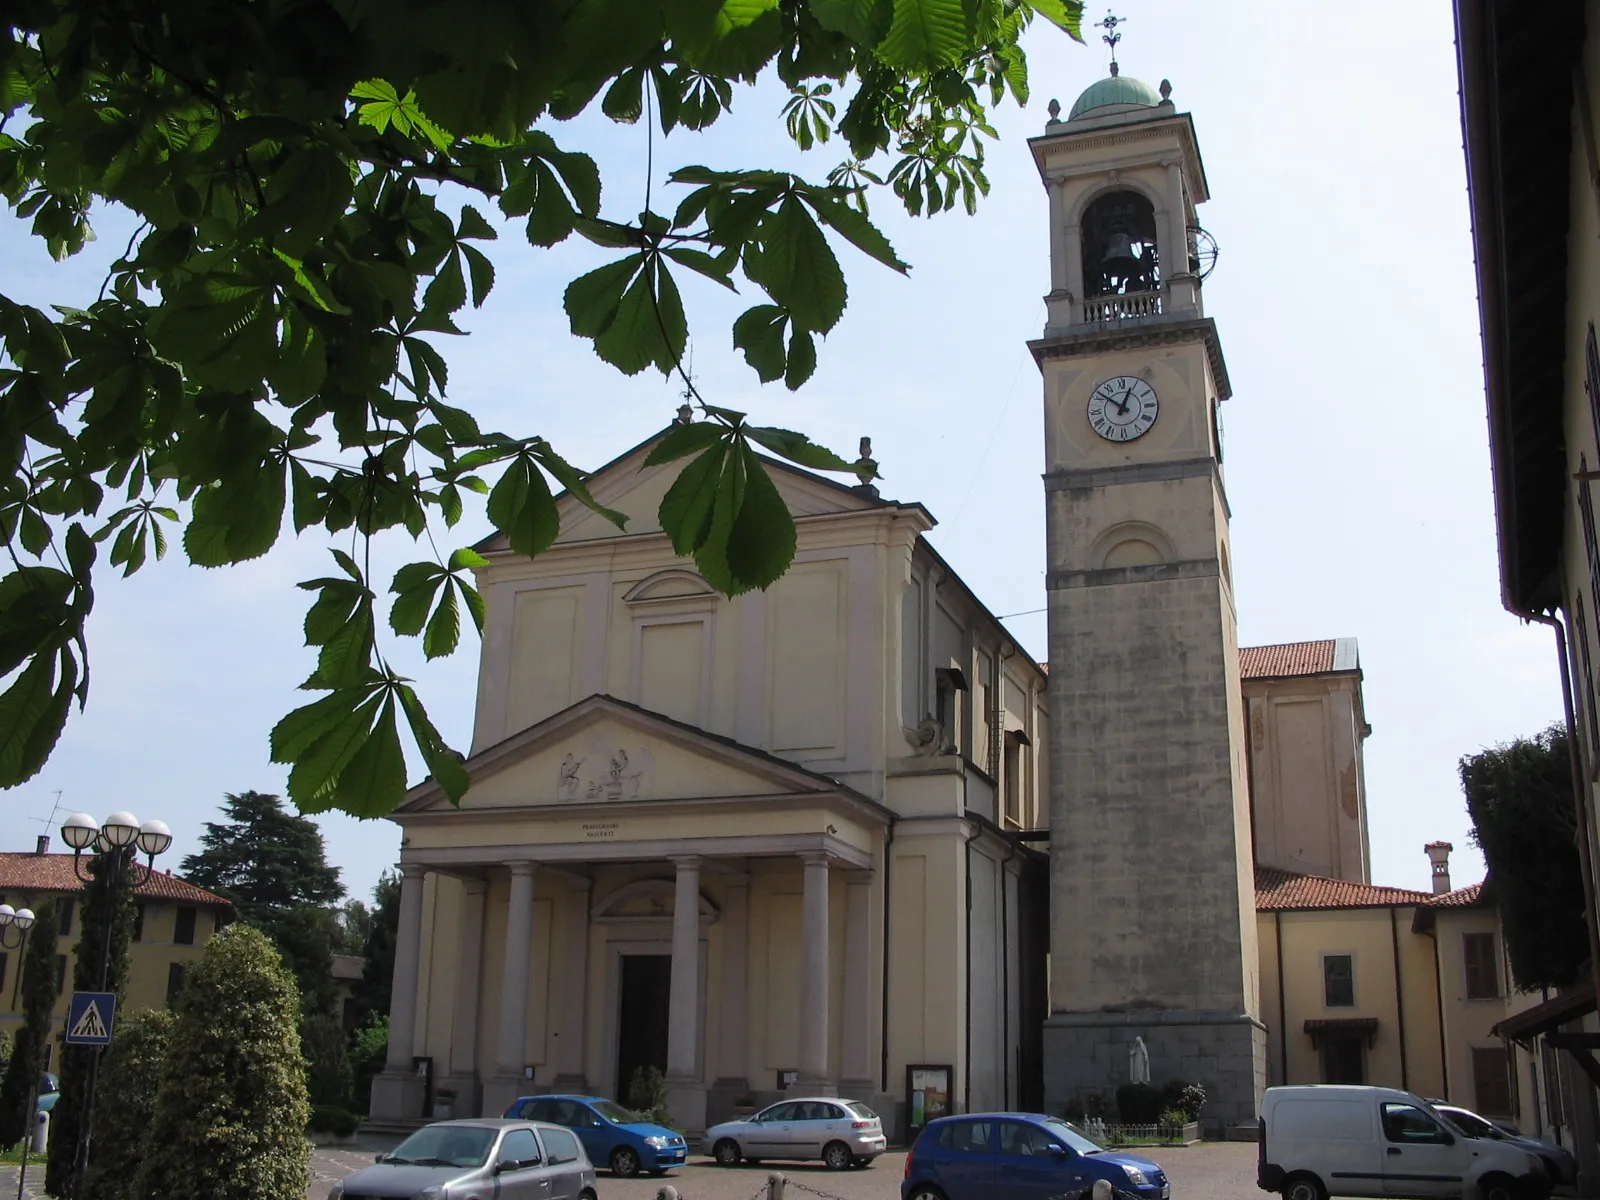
[(1019, 1156)]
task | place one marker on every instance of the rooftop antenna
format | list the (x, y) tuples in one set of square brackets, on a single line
[(1111, 36), (50, 821)]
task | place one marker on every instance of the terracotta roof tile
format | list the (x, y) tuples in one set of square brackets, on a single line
[(23, 872), (1286, 659), (1467, 897), (1282, 891)]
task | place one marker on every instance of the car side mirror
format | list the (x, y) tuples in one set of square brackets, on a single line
[(1449, 1138), (514, 1164), (378, 1158), (1059, 1151)]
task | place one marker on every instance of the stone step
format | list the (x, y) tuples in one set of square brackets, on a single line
[(387, 1126)]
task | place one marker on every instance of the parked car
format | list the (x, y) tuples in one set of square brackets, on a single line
[(1019, 1156), (476, 1160), (1373, 1141), (1558, 1160), (49, 1092), (610, 1133), (842, 1133)]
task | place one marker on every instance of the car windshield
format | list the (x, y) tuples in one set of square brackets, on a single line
[(1469, 1123), (445, 1146), (1072, 1138), (614, 1112)]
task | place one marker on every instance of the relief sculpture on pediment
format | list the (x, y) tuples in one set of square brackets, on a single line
[(602, 773)]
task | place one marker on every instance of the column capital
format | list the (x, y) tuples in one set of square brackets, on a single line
[(523, 867), (813, 858), (858, 876), (687, 862), (411, 870)]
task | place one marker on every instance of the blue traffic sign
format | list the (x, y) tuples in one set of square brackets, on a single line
[(90, 1016)]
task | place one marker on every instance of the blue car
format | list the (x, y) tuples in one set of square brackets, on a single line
[(1020, 1156), (49, 1092), (611, 1135)]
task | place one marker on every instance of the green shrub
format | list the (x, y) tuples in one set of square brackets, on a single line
[(1097, 1106), (327, 1118), (329, 1081), (1072, 1111), (1192, 1099), (368, 1050), (1171, 1122), (125, 1101), (647, 1096), (1138, 1104), (33, 1039), (231, 1113)]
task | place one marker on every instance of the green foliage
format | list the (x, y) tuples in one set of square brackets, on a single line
[(32, 1041), (328, 1077), (647, 1096), (1183, 1096), (1138, 1104), (263, 859), (1170, 1123), (327, 1118), (372, 993), (105, 930), (268, 345), (125, 1103), (368, 1050), (1519, 796), (231, 1112)]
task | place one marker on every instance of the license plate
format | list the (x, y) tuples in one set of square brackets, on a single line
[(1166, 1191)]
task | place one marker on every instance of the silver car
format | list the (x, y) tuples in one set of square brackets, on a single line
[(842, 1133), (1558, 1160), (489, 1159)]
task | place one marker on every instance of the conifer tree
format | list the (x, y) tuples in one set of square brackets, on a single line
[(33, 1039), (231, 1112), (129, 1079)]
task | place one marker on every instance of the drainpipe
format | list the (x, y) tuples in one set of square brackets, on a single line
[(1283, 1007), (966, 850), (1005, 979), (1438, 995), (883, 1024), (1399, 999), (1580, 799)]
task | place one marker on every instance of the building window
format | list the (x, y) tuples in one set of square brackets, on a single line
[(4, 962), (64, 907), (949, 681), (1586, 701), (61, 972), (1591, 380), (1555, 1105), (174, 982), (138, 923), (1344, 1057), (1483, 971), (1338, 981), (183, 927), (1013, 779), (1491, 1082)]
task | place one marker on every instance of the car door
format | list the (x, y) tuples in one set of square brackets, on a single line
[(772, 1131), (811, 1125), (519, 1169), (595, 1134), (1029, 1164), (1420, 1157), (966, 1159), (563, 1162)]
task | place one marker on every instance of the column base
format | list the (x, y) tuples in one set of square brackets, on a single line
[(396, 1095), (686, 1101), (812, 1085), (500, 1090), (469, 1096), (1085, 1053), (727, 1095)]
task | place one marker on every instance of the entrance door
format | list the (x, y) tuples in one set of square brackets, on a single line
[(646, 997)]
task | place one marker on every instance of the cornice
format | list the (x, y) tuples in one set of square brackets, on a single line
[(1136, 334)]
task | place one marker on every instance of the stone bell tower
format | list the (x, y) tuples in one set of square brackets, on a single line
[(1153, 926)]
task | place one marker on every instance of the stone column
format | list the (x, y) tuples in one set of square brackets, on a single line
[(686, 1092), (733, 1065), (1183, 292), (511, 1046), (570, 1075), (397, 1092), (855, 1067), (463, 1068), (814, 982)]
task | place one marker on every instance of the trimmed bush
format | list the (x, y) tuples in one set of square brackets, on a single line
[(33, 1039), (231, 1112), (1138, 1104), (125, 1103), (368, 1050), (328, 1080), (327, 1118), (1171, 1123), (647, 1096)]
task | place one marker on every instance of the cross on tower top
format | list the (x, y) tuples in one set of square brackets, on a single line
[(1111, 36)]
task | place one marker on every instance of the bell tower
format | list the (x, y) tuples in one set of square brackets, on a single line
[(1153, 924)]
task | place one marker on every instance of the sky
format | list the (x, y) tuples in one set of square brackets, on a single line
[(1356, 453)]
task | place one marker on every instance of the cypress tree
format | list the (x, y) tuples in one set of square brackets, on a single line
[(231, 1112), (129, 1079), (33, 1039), (96, 926)]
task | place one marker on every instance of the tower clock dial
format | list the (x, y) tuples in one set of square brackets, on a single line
[(1122, 408)]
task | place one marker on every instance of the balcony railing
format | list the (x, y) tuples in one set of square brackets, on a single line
[(1129, 306)]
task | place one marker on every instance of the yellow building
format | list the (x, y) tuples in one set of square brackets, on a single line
[(174, 921)]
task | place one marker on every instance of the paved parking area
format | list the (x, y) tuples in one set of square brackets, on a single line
[(1209, 1171)]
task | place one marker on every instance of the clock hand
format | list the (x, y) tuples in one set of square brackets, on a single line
[(1122, 407)]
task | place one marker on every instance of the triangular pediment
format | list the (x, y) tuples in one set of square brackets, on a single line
[(628, 486), (603, 751)]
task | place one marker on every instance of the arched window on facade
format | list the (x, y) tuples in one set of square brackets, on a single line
[(1119, 245)]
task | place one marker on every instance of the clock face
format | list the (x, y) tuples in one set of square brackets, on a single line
[(1122, 408)]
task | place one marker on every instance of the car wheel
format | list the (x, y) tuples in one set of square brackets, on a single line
[(1304, 1187), (836, 1156), (1500, 1187), (624, 1162), (925, 1191), (726, 1152), (586, 1194)]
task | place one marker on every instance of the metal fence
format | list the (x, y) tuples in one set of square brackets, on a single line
[(778, 1184)]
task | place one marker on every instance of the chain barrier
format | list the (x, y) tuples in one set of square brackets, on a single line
[(818, 1192)]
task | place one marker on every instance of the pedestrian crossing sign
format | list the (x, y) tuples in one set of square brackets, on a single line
[(90, 1017)]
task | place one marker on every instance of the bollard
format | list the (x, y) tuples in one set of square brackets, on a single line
[(41, 1133), (1102, 1190), (775, 1183), (666, 1192)]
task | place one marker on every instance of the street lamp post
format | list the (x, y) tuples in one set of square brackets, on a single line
[(18, 921), (119, 832)]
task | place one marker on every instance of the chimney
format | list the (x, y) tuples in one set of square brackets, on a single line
[(1439, 855), (43, 845)]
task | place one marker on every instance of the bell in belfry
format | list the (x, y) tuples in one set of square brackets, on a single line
[(1119, 260)]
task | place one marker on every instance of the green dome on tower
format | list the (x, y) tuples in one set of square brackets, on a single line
[(1118, 92)]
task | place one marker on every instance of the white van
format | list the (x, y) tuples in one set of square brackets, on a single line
[(1370, 1141)]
